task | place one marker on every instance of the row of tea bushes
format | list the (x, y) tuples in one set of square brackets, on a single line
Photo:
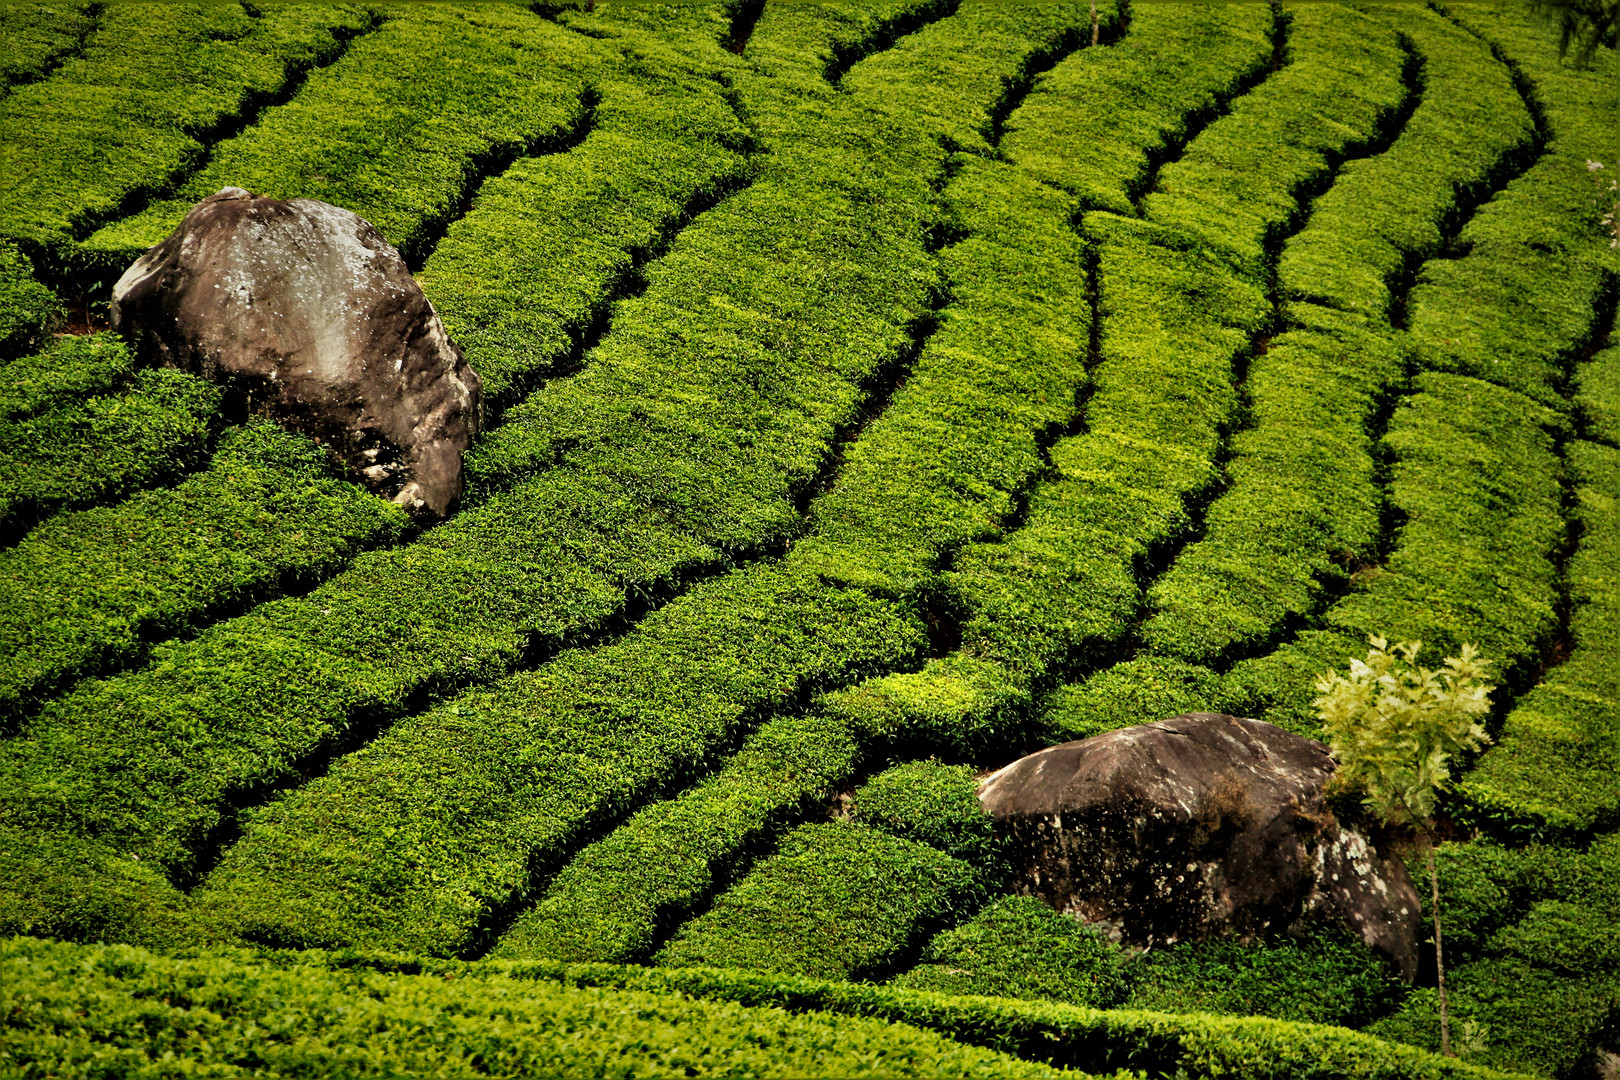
[(1475, 479), (447, 92), (647, 496), (838, 900), (767, 616), (1556, 767), (1067, 1035), (527, 276), (1387, 213), (87, 591), (1077, 131), (99, 448), (27, 308), (116, 1009), (34, 37), (1534, 276), (1301, 501), (135, 108)]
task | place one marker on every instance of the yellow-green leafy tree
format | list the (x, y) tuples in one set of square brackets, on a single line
[(1393, 727)]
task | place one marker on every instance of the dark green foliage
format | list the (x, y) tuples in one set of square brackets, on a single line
[(85, 590), (547, 244), (58, 885), (1387, 212), (1330, 978), (1476, 480), (417, 839), (933, 804), (90, 451), (1523, 298), (1079, 131), (27, 308), (1138, 691), (613, 899), (131, 112), (1598, 396), (1069, 1035), (1506, 1014), (34, 36), (838, 901), (112, 1010), (502, 83), (68, 369), (1556, 766), (1018, 947), (1238, 186)]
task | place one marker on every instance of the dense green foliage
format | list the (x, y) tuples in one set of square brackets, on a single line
[(837, 901), (1018, 947), (226, 1017), (85, 591), (101, 447), (932, 804), (877, 392)]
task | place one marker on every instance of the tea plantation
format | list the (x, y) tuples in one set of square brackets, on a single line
[(877, 392)]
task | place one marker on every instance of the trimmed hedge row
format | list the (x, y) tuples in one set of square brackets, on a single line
[(1302, 504), (1555, 768), (1329, 978), (530, 271), (724, 604), (1238, 187), (1387, 213), (116, 1010), (614, 900), (934, 804), (34, 36), (428, 838), (87, 590), (836, 901), (692, 430), (1597, 397), (69, 369), (134, 110), (1018, 947), (445, 92), (1531, 972), (103, 447), (1525, 295), (27, 308), (1252, 1048), (1476, 479), (1079, 131)]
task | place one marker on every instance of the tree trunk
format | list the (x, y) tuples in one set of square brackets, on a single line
[(1094, 22), (1439, 955)]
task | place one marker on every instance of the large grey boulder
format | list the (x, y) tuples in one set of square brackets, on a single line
[(1198, 826), (310, 317)]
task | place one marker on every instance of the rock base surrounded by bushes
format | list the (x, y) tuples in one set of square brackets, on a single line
[(1199, 826)]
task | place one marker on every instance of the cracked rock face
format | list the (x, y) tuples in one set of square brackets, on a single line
[(308, 315), (1199, 826)]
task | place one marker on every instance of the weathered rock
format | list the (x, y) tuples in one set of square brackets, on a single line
[(309, 315), (1199, 826)]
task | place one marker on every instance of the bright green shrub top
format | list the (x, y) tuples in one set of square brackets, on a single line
[(1018, 947), (932, 804)]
